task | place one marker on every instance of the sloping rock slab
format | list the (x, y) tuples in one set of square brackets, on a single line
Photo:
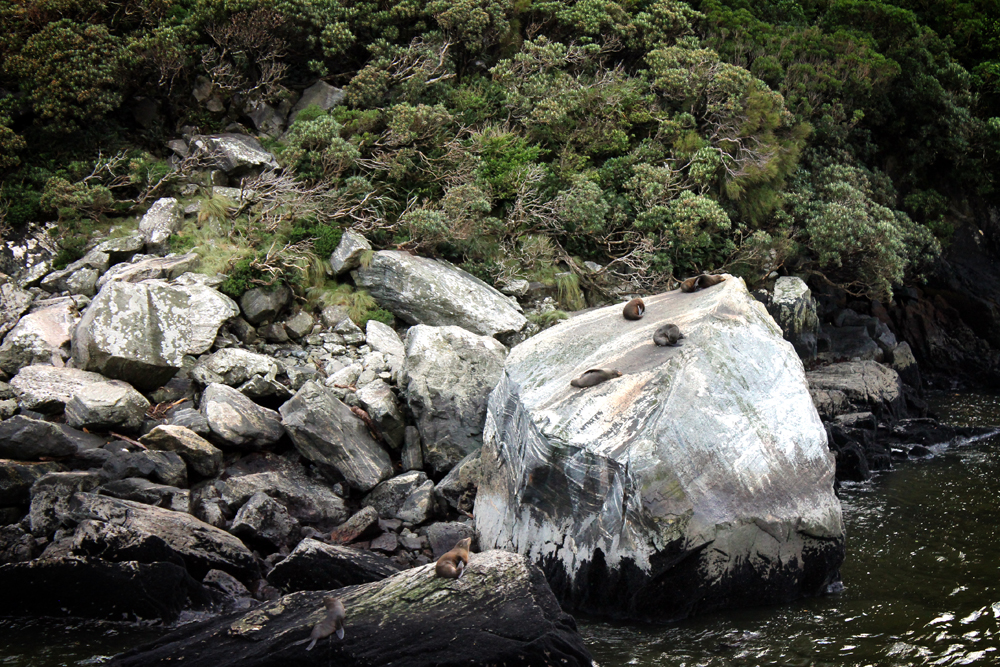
[(420, 290), (139, 332), (201, 546), (315, 566), (96, 589), (699, 479), (858, 386), (500, 612)]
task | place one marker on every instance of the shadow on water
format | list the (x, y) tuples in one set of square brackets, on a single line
[(922, 576)]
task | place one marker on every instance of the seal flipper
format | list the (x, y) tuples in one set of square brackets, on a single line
[(340, 632), (461, 569), (311, 644)]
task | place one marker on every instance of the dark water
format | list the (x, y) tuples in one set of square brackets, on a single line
[(922, 577), (922, 580)]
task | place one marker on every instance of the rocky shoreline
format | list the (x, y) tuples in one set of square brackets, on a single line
[(166, 448)]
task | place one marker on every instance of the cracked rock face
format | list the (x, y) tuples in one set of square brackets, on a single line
[(699, 479)]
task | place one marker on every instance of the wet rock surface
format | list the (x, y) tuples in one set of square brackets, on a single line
[(315, 566)]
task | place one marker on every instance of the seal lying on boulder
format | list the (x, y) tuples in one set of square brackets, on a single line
[(595, 376), (700, 282), (668, 334), (452, 564)]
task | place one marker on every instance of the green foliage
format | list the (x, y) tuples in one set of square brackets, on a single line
[(316, 150), (570, 296), (504, 156), (74, 200), (548, 319)]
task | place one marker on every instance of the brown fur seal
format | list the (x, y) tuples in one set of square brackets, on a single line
[(452, 564), (700, 282), (634, 309), (668, 334), (334, 622), (595, 376)]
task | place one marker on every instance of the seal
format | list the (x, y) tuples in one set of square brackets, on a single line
[(634, 309), (700, 282), (452, 564), (668, 334), (332, 623), (595, 376)]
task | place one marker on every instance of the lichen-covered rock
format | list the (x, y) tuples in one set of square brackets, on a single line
[(794, 309), (42, 336), (315, 566), (104, 405), (26, 439), (151, 268), (508, 617), (238, 422), (347, 256), (300, 324), (14, 302), (379, 401), (262, 304), (858, 386), (164, 217), (447, 378), (235, 154), (698, 479), (140, 332), (326, 432), (80, 277), (235, 366), (121, 249), (419, 290), (48, 389), (203, 457)]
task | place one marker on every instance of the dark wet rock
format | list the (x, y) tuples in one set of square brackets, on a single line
[(26, 439), (16, 478), (238, 422), (361, 524), (225, 582), (106, 405), (273, 333), (48, 389), (447, 379), (178, 391), (262, 305), (927, 432), (91, 588), (326, 432), (17, 545), (458, 488), (315, 566), (50, 497), (850, 343), (203, 457), (509, 616), (164, 467), (444, 535), (306, 499), (264, 523), (148, 493), (412, 457)]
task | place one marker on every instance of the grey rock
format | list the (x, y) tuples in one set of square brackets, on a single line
[(326, 432), (264, 522), (164, 218), (331, 316), (411, 541), (148, 493), (42, 336), (260, 386), (235, 366), (459, 486), (359, 525), (447, 378), (386, 543), (50, 499), (298, 376), (48, 389), (266, 119), (794, 309), (389, 497), (444, 535), (378, 400), (243, 330), (299, 325), (850, 343), (306, 499), (419, 505), (226, 583), (164, 467), (75, 281), (904, 363), (26, 439), (16, 478), (141, 332), (347, 256), (315, 566), (191, 419), (419, 290), (321, 94), (235, 154), (121, 249), (16, 545), (8, 408), (383, 338), (104, 405), (273, 333), (238, 422), (203, 457), (261, 305), (151, 268), (652, 467), (14, 302), (857, 386), (412, 457)]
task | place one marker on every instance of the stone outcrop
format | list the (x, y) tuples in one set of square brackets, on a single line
[(699, 479), (857, 386), (447, 378), (794, 309), (140, 332), (419, 290), (508, 616)]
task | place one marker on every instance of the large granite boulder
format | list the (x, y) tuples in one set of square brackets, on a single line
[(501, 612), (48, 389), (315, 566), (794, 309), (326, 432), (419, 290), (699, 479), (447, 378), (858, 386), (164, 217), (42, 336), (140, 332), (238, 422)]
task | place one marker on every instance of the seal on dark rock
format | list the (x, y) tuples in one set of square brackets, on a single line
[(452, 564), (333, 623), (667, 335), (634, 309), (595, 376), (700, 282)]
